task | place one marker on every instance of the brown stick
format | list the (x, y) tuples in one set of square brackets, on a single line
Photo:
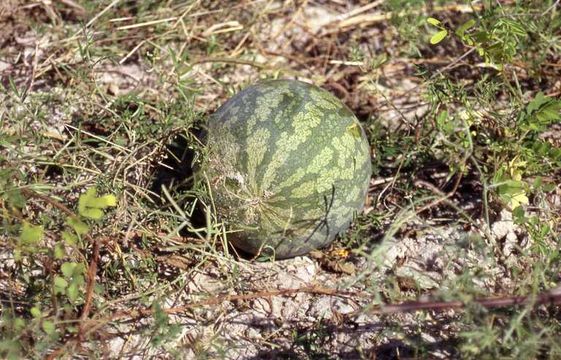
[(438, 191), (551, 297), (314, 290), (55, 354), (90, 283), (33, 194)]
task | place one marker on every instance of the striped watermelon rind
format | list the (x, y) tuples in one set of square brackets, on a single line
[(288, 165)]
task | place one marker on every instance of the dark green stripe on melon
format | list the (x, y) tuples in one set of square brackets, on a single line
[(288, 165)]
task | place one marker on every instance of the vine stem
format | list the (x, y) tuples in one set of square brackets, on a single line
[(551, 297)]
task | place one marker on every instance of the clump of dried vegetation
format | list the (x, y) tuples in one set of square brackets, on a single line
[(108, 249)]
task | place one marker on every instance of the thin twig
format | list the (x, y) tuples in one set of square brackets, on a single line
[(550, 8), (92, 271), (457, 60), (551, 297), (33, 194), (229, 60), (94, 324), (368, 19), (443, 197), (100, 14)]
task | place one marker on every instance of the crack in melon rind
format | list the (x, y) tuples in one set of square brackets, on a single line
[(308, 152)]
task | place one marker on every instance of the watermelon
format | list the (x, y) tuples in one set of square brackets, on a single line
[(288, 166)]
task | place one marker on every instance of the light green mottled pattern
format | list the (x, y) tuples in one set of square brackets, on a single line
[(257, 146), (321, 161), (304, 190), (302, 124), (263, 108), (294, 178), (289, 164)]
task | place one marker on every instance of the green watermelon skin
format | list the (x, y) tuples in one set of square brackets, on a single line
[(288, 166)]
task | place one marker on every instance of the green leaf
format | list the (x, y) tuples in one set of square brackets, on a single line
[(49, 327), (541, 112), (59, 252), (68, 269), (30, 234), (79, 279), (95, 214), (19, 324), (15, 198), (69, 239), (106, 201), (518, 215), (433, 21), (511, 187), (35, 312), (513, 27), (549, 113), (514, 193), (460, 31), (438, 37), (72, 292), (79, 226), (90, 206), (60, 283), (518, 199), (444, 123), (535, 104)]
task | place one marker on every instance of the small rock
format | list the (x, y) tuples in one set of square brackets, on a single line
[(343, 307), (4, 66), (423, 279), (321, 308)]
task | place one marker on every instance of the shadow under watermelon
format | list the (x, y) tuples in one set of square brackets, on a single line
[(176, 173)]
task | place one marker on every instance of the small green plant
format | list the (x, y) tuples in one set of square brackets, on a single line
[(495, 39), (442, 31), (65, 289), (530, 154), (509, 185), (163, 329)]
